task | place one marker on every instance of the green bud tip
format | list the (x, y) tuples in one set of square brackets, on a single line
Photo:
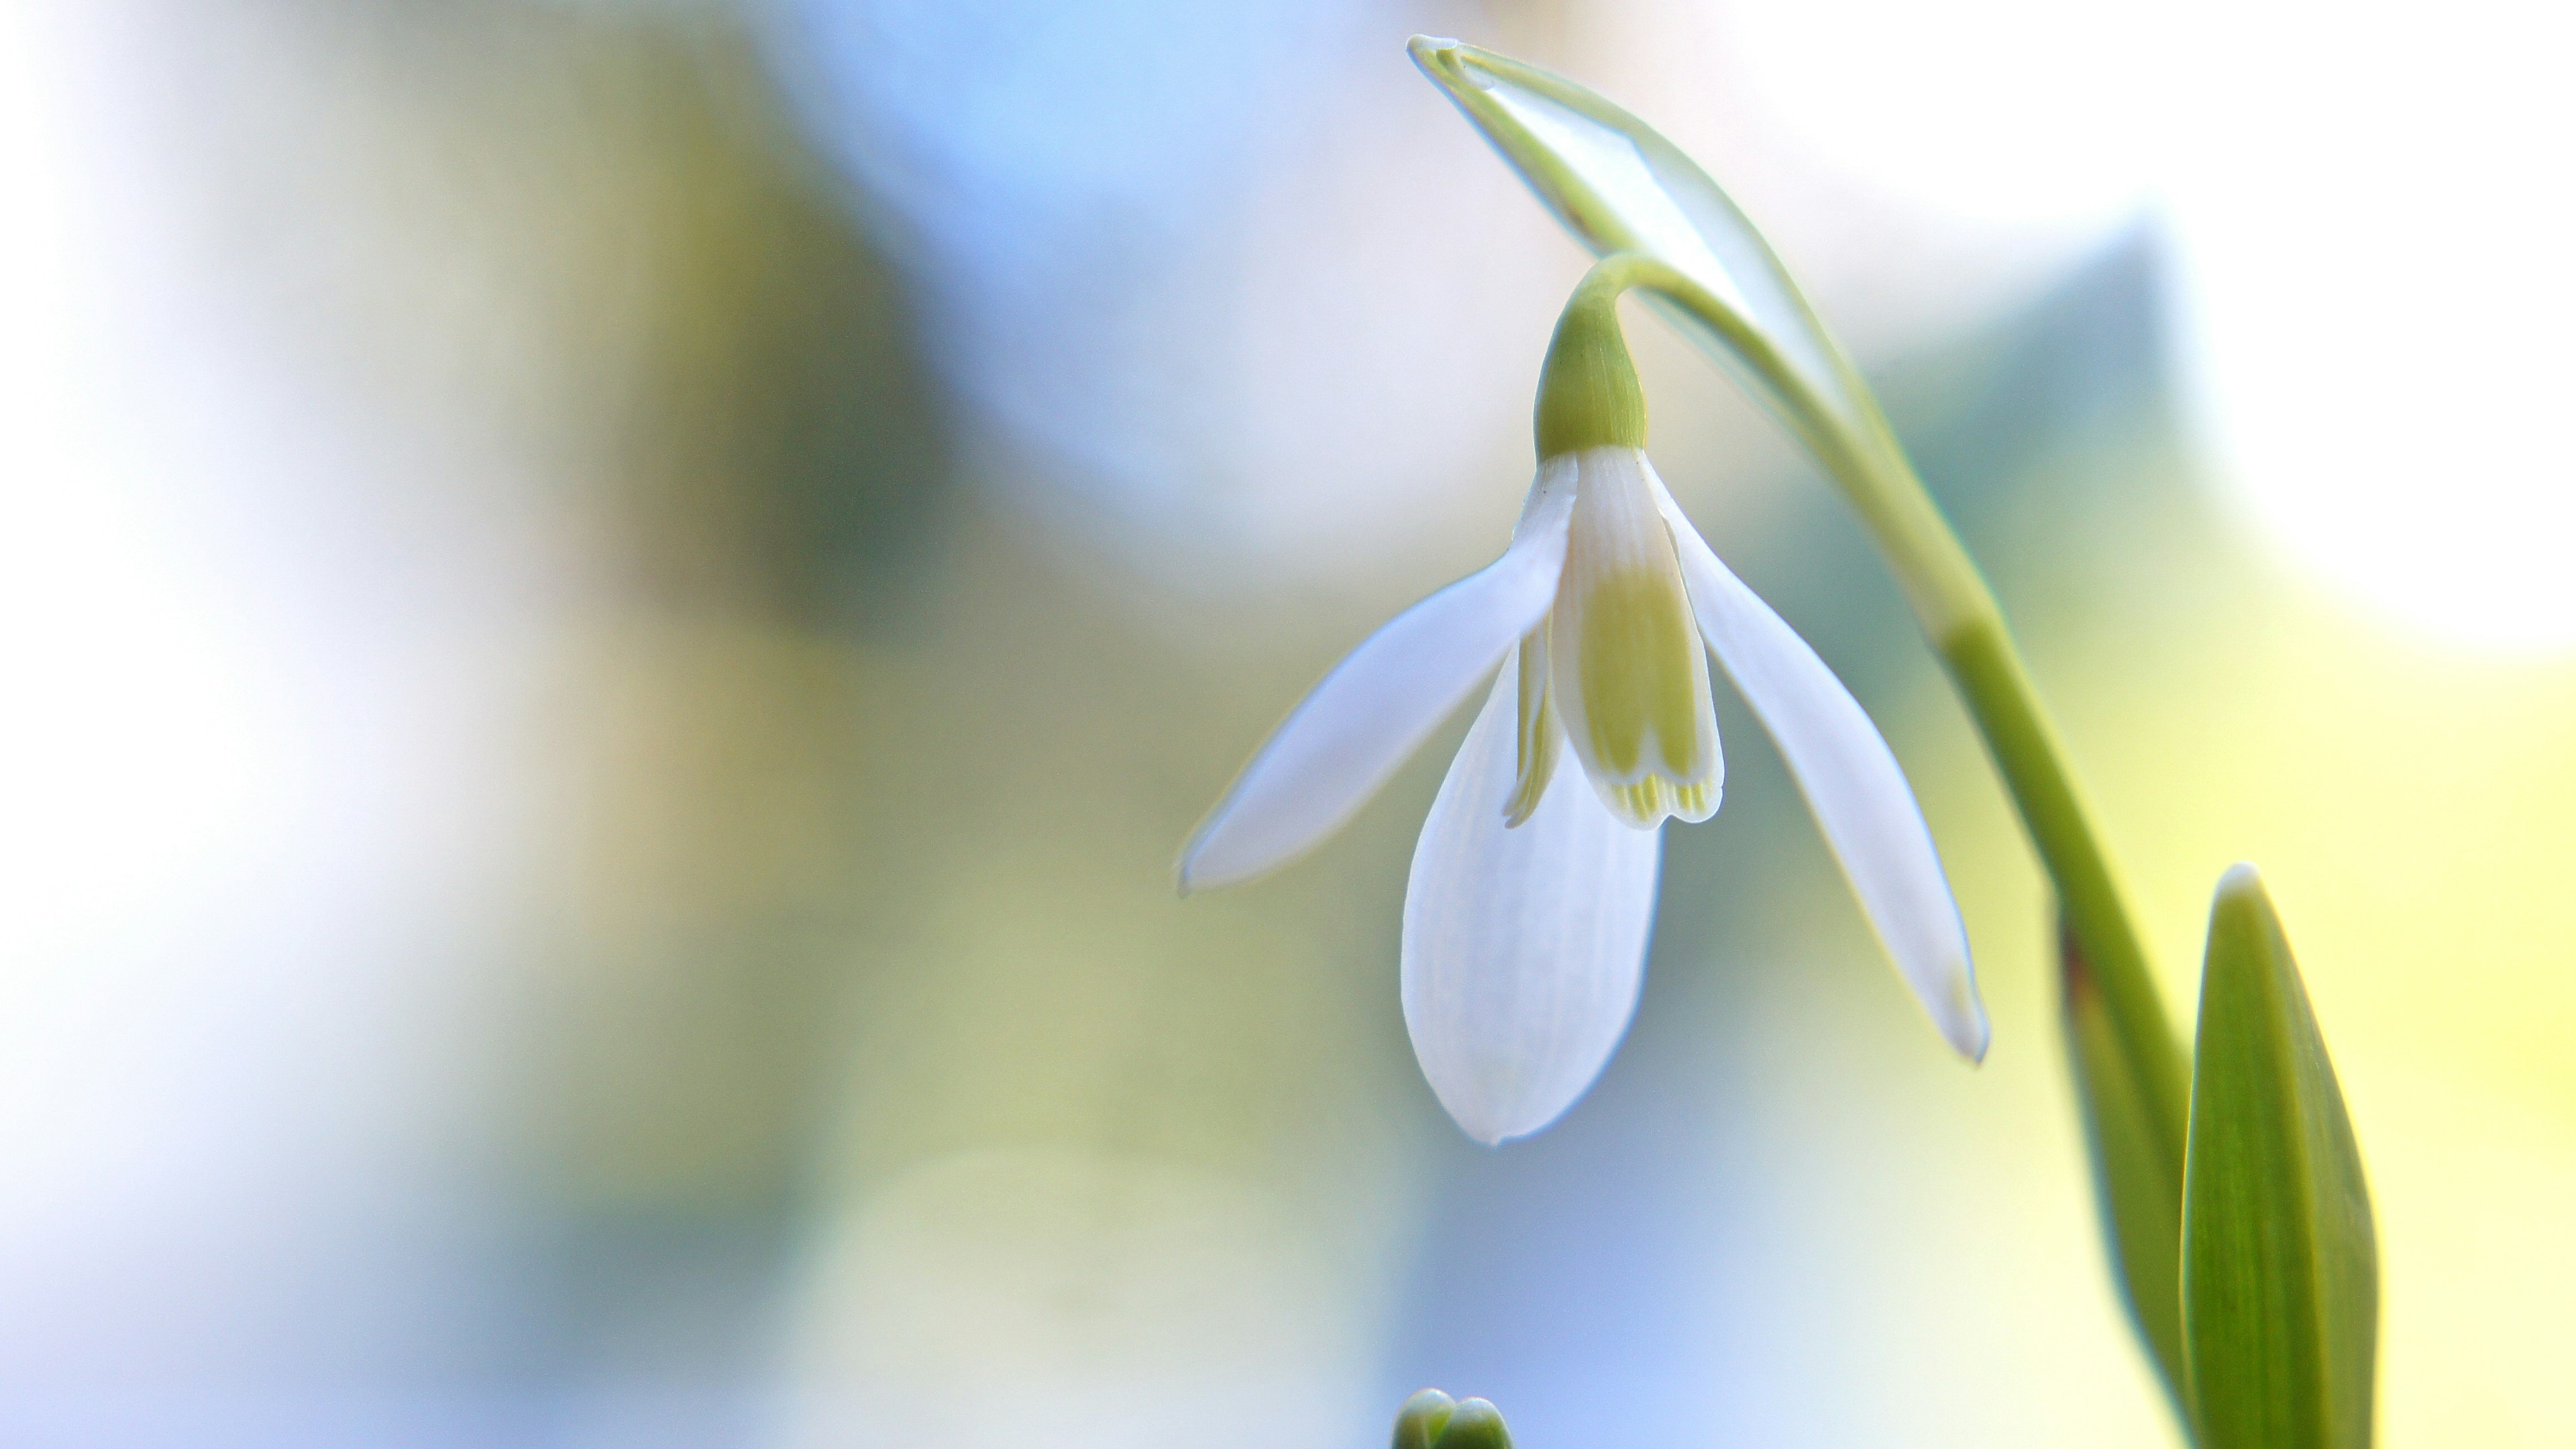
[(1419, 1422), (1445, 61), (1587, 390), (1474, 1424)]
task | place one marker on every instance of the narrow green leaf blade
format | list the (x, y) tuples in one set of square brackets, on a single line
[(2137, 1157), (1619, 186), (2280, 1271)]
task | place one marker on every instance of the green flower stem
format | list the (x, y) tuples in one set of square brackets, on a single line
[(2027, 752), (1959, 615)]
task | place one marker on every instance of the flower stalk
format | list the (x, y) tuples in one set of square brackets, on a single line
[(1661, 226)]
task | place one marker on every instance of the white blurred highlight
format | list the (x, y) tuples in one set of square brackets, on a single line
[(135, 744), (247, 767), (2374, 216), (2369, 210)]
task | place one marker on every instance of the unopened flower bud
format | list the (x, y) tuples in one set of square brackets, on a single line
[(1474, 1424), (1419, 1422)]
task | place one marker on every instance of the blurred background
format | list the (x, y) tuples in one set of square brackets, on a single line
[(612, 613)]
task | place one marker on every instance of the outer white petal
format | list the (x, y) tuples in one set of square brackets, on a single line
[(1378, 705), (1852, 784), (1523, 948)]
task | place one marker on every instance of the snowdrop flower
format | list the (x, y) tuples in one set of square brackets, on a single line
[(1533, 886)]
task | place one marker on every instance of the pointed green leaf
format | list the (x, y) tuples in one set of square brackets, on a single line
[(2280, 1271), (2137, 1157), (1621, 187)]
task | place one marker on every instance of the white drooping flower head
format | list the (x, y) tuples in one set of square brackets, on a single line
[(1532, 893)]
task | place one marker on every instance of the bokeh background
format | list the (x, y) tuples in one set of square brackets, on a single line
[(612, 612)]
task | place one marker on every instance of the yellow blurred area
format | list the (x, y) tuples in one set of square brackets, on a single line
[(2409, 807), (2412, 813)]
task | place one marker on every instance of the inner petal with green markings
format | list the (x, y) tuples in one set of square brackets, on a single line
[(1626, 670)]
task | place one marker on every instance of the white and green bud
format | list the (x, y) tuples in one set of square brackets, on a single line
[(1476, 1424), (1419, 1422), (1433, 1420)]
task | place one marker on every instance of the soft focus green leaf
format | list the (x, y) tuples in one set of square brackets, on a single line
[(2137, 1160), (1621, 187), (2280, 1271)]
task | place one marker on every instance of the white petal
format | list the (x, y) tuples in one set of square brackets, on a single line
[(1852, 784), (1523, 948), (1376, 707)]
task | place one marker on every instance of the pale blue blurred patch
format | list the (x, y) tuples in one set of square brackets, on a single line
[(1024, 140), (1199, 272), (1051, 173)]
